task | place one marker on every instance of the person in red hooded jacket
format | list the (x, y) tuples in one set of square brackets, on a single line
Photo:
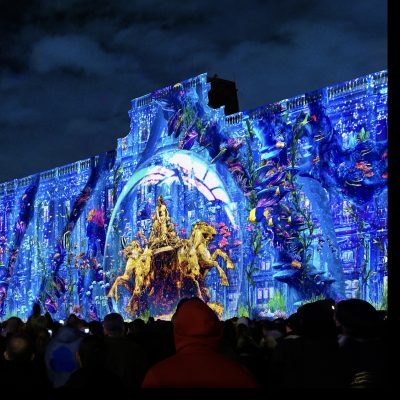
[(197, 362)]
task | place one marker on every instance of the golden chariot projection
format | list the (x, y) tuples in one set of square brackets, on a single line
[(164, 268)]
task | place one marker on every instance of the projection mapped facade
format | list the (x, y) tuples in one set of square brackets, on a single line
[(256, 212)]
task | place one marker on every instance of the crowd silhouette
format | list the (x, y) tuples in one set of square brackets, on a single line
[(323, 345)]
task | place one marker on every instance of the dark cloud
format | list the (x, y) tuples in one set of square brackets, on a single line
[(69, 68), (71, 52)]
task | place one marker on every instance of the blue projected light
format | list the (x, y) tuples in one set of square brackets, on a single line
[(256, 213)]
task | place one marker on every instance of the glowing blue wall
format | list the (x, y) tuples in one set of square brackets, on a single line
[(297, 191)]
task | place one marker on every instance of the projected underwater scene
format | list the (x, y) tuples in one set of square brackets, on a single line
[(256, 212)]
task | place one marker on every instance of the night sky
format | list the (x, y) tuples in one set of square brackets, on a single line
[(69, 68)]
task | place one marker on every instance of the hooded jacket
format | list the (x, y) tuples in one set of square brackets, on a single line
[(60, 355), (197, 362)]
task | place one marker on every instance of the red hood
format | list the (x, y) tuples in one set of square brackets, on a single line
[(196, 327)]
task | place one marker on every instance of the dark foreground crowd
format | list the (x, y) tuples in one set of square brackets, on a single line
[(322, 345)]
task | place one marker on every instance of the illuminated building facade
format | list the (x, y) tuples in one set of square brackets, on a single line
[(296, 190)]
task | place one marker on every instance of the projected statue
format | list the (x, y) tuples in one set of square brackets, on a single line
[(168, 268), (162, 232), (137, 266)]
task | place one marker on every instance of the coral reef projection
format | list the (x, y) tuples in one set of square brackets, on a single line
[(255, 212)]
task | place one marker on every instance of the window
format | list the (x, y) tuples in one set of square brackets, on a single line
[(347, 256), (67, 206), (46, 211), (110, 197)]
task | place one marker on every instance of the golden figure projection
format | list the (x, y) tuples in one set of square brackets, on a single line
[(162, 231), (138, 266), (167, 262)]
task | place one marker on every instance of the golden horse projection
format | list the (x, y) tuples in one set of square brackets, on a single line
[(167, 262), (138, 265)]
